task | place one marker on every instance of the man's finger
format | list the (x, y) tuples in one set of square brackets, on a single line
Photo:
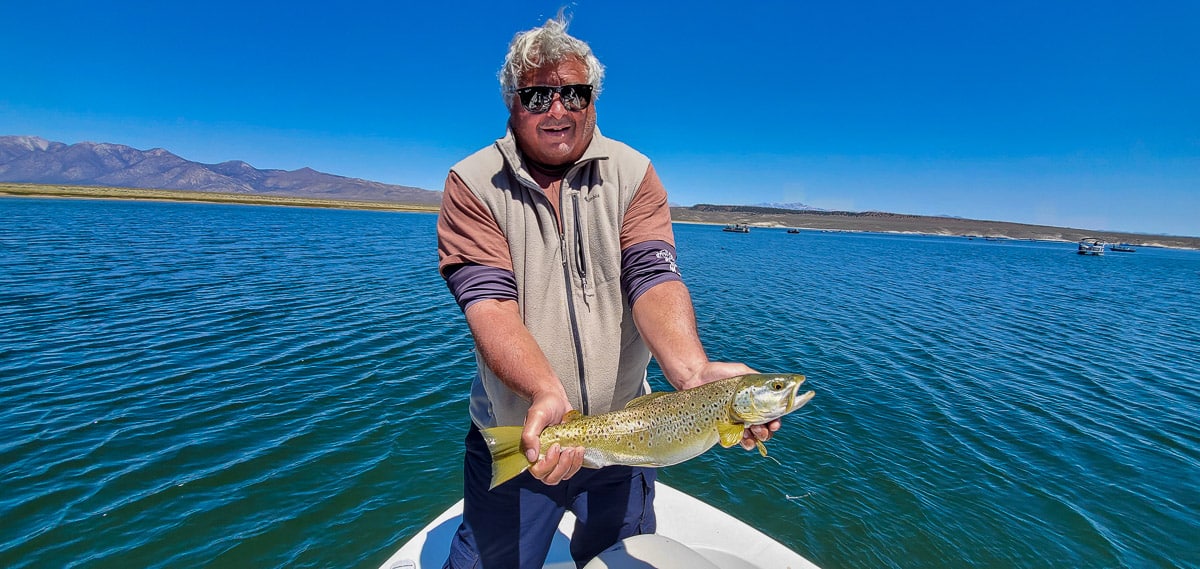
[(577, 462), (535, 423), (530, 442), (542, 469), (563, 469)]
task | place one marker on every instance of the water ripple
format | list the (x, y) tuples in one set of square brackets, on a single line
[(212, 385)]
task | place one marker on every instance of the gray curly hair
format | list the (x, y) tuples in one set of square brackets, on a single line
[(547, 45)]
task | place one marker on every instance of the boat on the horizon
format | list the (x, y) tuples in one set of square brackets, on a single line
[(1090, 246), (690, 534), (737, 228), (793, 230), (1122, 248)]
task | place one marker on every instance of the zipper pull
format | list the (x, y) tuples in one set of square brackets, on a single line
[(562, 244)]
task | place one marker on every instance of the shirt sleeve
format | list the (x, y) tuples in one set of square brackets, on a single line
[(472, 283), (467, 232), (473, 253), (647, 241), (646, 264), (648, 217)]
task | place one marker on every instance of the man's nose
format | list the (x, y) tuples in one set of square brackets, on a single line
[(557, 109)]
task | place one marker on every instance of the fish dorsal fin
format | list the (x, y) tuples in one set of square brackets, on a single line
[(572, 415), (645, 399), (731, 433)]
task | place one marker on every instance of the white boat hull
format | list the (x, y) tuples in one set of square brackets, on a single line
[(725, 541)]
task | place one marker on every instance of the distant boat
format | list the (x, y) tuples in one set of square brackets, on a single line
[(1122, 248), (793, 230), (737, 228), (1091, 246)]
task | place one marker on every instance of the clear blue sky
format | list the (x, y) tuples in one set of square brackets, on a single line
[(1080, 114)]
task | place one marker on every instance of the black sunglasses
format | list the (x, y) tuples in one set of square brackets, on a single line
[(537, 99)]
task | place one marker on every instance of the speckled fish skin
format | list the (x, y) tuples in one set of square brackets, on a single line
[(662, 428)]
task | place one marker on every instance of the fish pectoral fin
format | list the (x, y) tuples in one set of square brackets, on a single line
[(572, 415), (731, 434), (645, 399)]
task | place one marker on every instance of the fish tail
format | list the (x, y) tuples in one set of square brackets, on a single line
[(507, 460)]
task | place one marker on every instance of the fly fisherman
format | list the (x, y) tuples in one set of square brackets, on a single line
[(557, 244)]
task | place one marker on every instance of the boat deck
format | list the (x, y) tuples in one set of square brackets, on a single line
[(723, 540)]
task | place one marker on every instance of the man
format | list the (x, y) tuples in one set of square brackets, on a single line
[(557, 244)]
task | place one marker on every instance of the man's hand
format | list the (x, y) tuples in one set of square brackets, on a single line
[(759, 433), (709, 372), (559, 463), (713, 371)]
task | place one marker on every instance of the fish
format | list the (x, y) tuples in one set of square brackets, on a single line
[(662, 428)]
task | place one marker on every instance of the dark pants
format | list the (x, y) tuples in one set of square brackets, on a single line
[(512, 526)]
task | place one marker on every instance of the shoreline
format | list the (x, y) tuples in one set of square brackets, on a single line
[(901, 224), (189, 196), (763, 218)]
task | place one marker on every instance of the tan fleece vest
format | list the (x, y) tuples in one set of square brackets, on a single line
[(568, 277)]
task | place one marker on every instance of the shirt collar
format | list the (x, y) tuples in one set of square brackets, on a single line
[(597, 150)]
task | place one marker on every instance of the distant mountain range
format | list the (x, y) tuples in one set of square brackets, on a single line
[(797, 206), (35, 160)]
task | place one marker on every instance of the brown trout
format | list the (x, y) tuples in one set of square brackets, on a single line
[(659, 429)]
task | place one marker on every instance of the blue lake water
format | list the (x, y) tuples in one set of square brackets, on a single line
[(235, 386)]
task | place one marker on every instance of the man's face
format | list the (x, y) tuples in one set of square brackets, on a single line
[(557, 136)]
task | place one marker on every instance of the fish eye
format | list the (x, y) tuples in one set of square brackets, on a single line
[(776, 385)]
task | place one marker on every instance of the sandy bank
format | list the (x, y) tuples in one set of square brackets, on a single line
[(877, 222)]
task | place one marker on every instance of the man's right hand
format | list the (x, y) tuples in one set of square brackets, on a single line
[(559, 463)]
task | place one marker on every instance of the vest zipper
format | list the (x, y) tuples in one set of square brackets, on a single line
[(579, 243), (576, 336), (562, 243)]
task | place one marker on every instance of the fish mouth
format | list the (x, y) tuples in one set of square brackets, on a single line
[(796, 402)]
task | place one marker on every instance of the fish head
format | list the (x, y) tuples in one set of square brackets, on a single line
[(761, 398)]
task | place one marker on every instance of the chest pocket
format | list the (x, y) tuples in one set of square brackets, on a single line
[(595, 227)]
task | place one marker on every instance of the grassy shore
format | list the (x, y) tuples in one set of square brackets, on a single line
[(716, 215), (99, 192)]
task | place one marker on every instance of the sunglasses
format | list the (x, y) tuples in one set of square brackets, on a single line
[(537, 99)]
